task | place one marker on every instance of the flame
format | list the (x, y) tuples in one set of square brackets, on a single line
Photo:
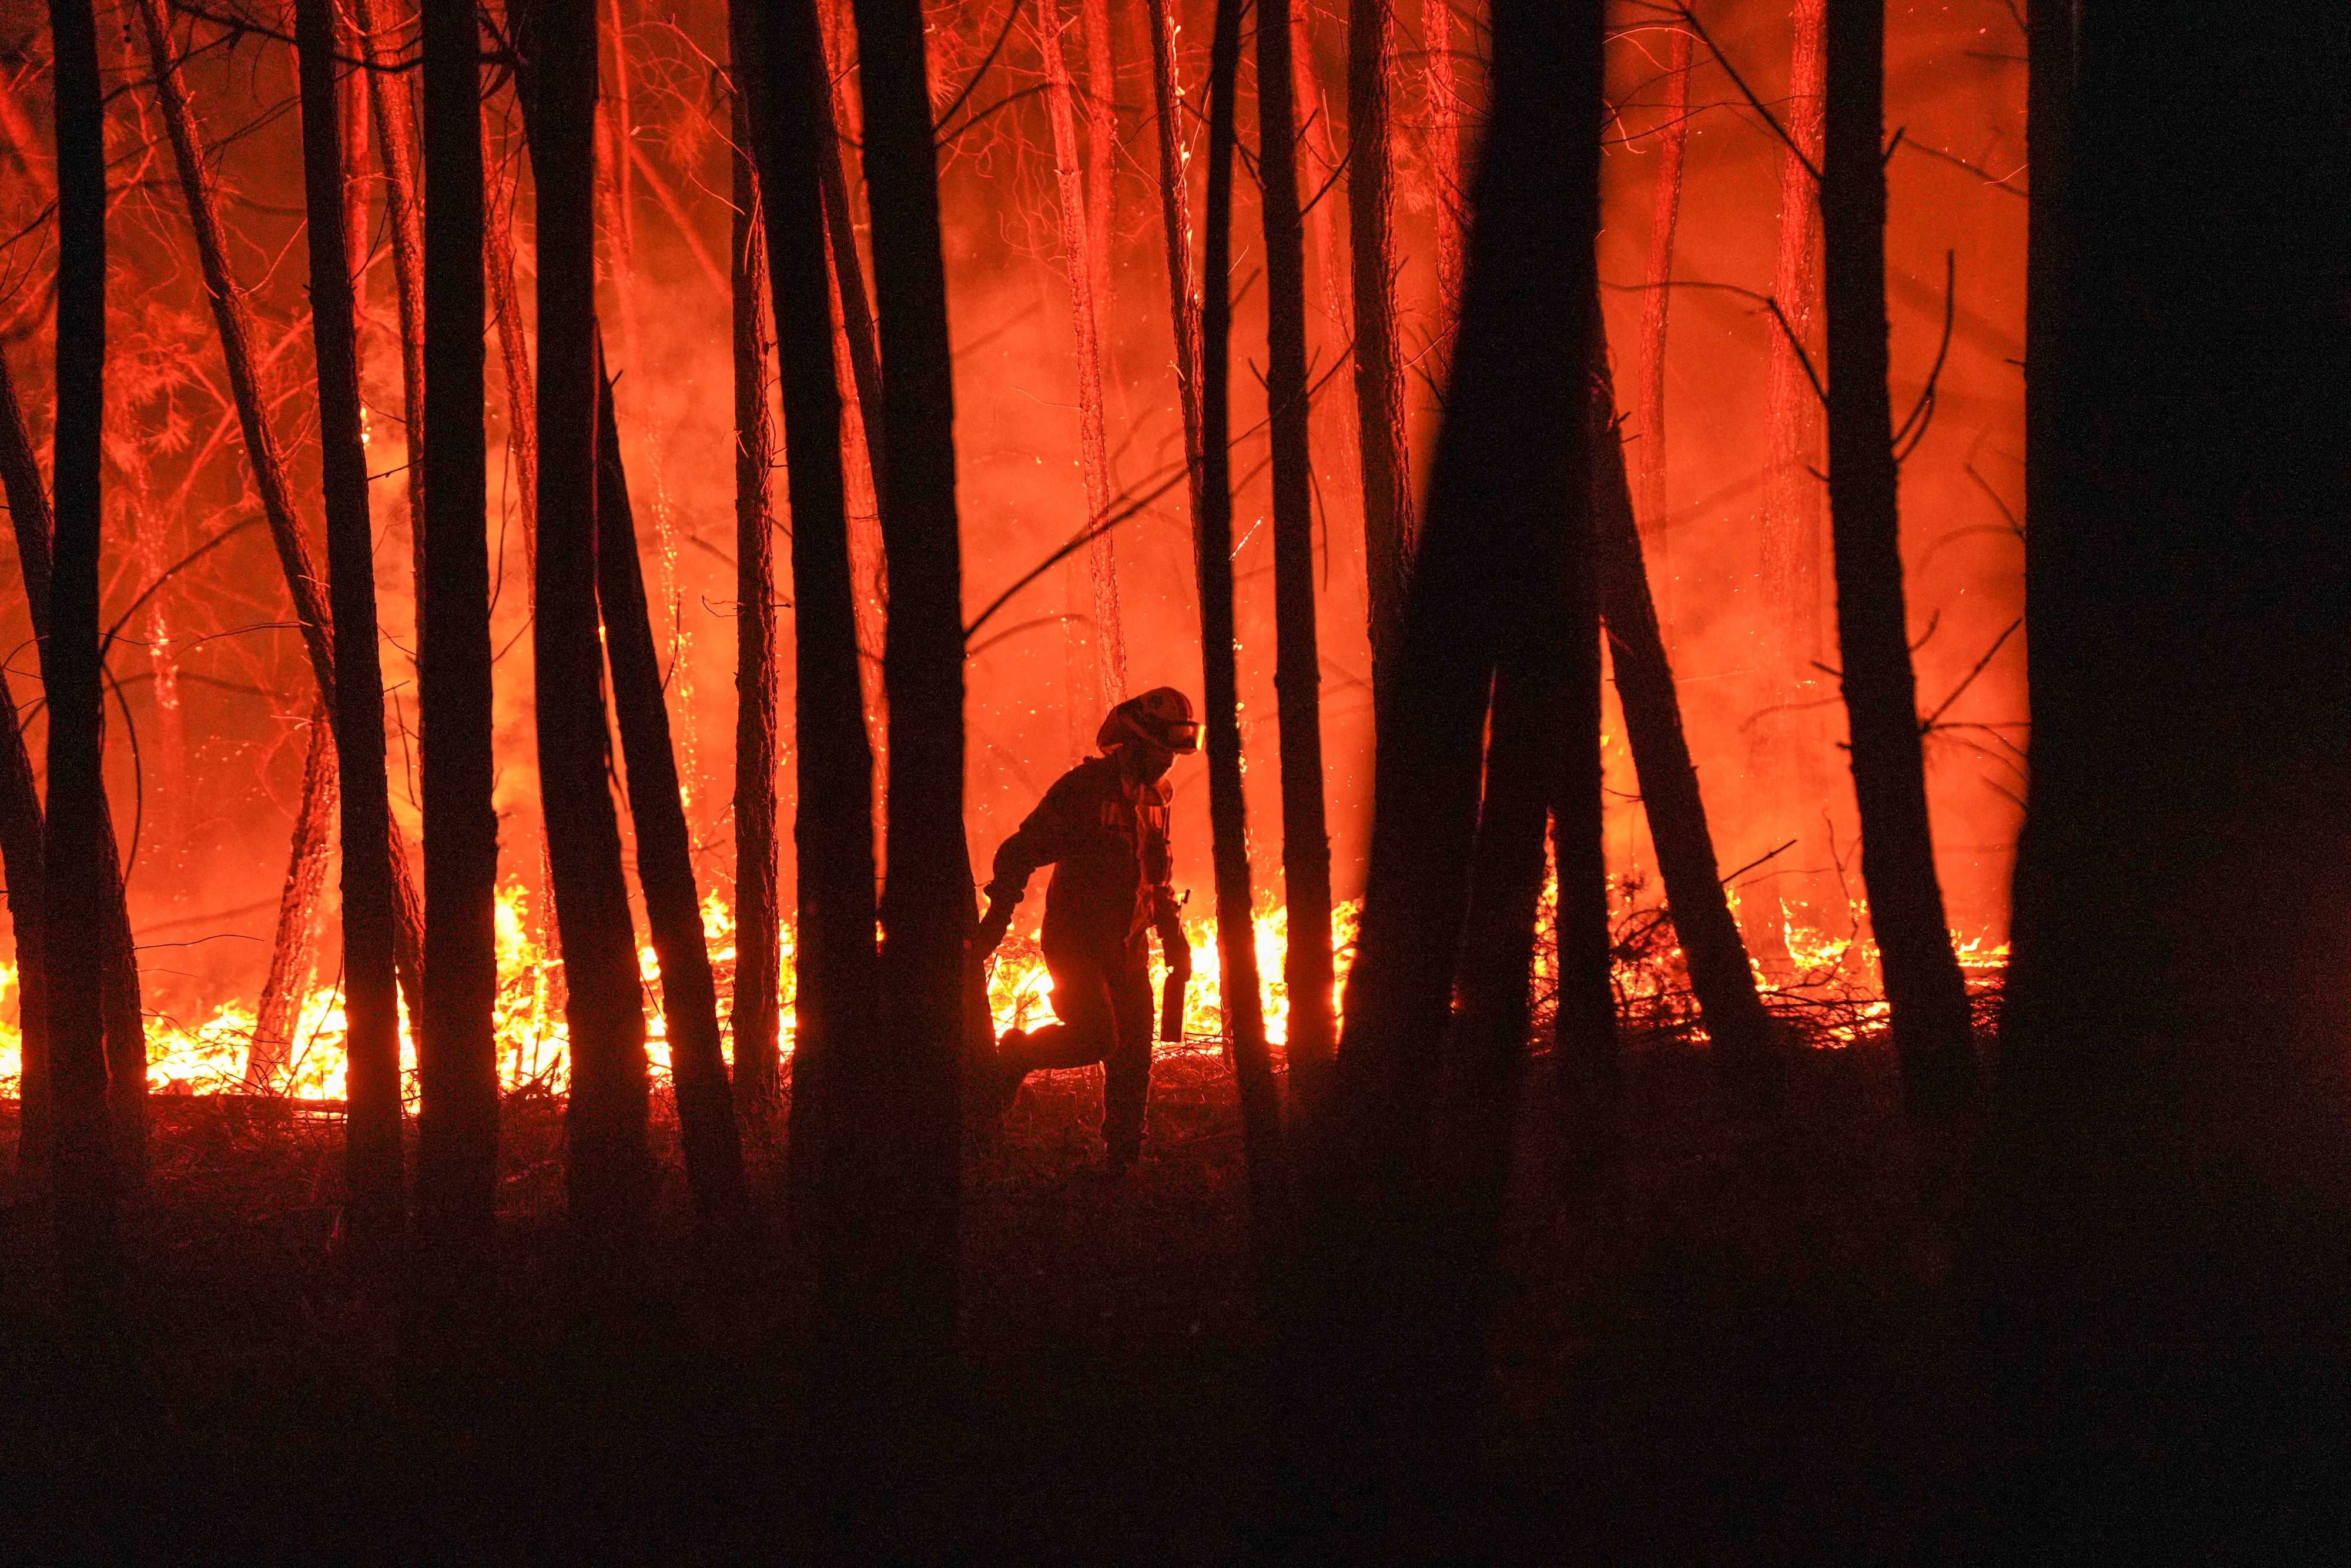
[(1832, 982)]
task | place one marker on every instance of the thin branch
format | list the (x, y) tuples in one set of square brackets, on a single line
[(1689, 18), (997, 47), (1998, 643)]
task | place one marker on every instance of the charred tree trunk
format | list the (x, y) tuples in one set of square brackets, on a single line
[(890, 1296), (1720, 976), (393, 98), (1381, 434), (78, 854), (456, 1046), (603, 999), (21, 826), (758, 1080), (371, 1160), (834, 997), (514, 348), (1212, 550), (279, 1014), (1174, 223), (1378, 1347), (705, 1109), (1443, 171), (1298, 670), (1665, 216), (1924, 991), (1587, 1060)]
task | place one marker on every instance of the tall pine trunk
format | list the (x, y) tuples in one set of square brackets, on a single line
[(1381, 438), (705, 1108), (372, 1159), (1306, 966), (1720, 976), (603, 999), (758, 926), (21, 825), (1924, 991), (1176, 227), (1656, 301), (279, 1012), (834, 997), (77, 848), (1391, 1321), (1442, 169), (457, 1046), (890, 1308), (391, 96)]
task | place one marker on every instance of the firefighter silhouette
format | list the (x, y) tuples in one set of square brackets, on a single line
[(1102, 828)]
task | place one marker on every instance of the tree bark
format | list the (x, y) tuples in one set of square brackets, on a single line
[(892, 1302), (1176, 227), (457, 1046), (21, 825), (833, 996), (1720, 976), (77, 854), (759, 929), (1925, 993), (1381, 440), (1665, 216), (514, 349), (610, 1163), (1376, 1349), (279, 1012), (705, 1109), (392, 97), (1445, 175), (1306, 965), (372, 1159), (1212, 550)]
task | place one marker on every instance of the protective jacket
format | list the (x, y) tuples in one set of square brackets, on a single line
[(1105, 836)]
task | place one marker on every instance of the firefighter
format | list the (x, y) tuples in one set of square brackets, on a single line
[(1104, 829)]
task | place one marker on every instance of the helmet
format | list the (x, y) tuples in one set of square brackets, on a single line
[(1162, 716)]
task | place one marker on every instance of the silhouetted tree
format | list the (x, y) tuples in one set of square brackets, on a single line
[(1381, 438), (456, 1045), (1184, 299), (392, 102), (21, 825), (77, 848), (1924, 991), (1298, 669), (279, 1014), (1664, 217), (372, 1169)]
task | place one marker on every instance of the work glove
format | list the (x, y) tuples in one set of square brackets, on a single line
[(989, 934), (1175, 947)]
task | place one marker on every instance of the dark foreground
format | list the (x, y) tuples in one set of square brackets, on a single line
[(1742, 1355)]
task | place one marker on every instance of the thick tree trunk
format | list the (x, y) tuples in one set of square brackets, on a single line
[(705, 1109), (1378, 1346), (1785, 764), (1176, 226), (610, 1164), (890, 1297), (76, 852), (1212, 550), (1665, 216), (1443, 171), (1925, 993), (1720, 976), (279, 1013), (2156, 1257), (1298, 672), (457, 1047), (372, 1159), (21, 826), (1092, 577), (1381, 440), (759, 1079), (833, 996), (391, 95)]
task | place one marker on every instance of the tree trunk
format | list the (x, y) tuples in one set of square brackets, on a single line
[(1665, 216), (232, 318), (21, 827), (2156, 1263), (1380, 436), (514, 349), (834, 997), (603, 1000), (457, 1046), (1377, 1346), (1096, 691), (759, 929), (1720, 976), (1443, 171), (1924, 991), (77, 854), (1176, 226), (706, 1110), (890, 1305), (392, 96), (279, 1014), (1298, 672), (1212, 551), (1784, 765), (371, 1160)]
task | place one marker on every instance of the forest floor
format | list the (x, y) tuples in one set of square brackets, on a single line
[(1738, 1359)]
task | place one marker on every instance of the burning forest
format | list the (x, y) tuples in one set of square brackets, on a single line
[(680, 664)]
